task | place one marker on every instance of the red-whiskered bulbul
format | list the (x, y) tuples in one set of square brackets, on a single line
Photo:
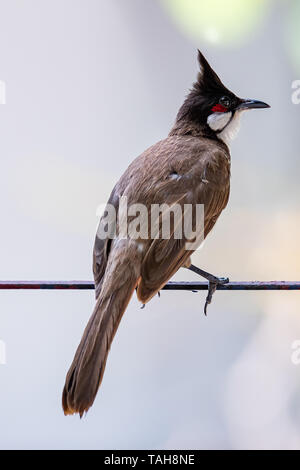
[(192, 166)]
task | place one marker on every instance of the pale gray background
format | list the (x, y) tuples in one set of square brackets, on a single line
[(90, 85)]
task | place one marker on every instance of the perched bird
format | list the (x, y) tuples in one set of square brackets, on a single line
[(191, 166)]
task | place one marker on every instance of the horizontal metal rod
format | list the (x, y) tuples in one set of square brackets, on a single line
[(185, 285)]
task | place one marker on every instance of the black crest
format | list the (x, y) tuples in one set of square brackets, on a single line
[(208, 81), (205, 93)]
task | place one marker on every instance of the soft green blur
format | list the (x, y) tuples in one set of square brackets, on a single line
[(292, 31), (221, 22)]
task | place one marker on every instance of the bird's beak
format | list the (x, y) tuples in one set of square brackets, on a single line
[(252, 104)]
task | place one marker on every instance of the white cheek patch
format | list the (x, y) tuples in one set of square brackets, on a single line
[(227, 127), (217, 121), (230, 131)]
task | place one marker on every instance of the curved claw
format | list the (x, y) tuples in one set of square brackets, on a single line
[(223, 280), (212, 287)]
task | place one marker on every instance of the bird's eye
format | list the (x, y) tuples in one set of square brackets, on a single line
[(225, 101)]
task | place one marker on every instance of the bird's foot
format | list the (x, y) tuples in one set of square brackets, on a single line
[(212, 287), (213, 282)]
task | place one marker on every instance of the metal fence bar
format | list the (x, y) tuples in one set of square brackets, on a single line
[(189, 286)]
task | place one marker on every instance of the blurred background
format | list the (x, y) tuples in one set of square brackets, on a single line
[(90, 84)]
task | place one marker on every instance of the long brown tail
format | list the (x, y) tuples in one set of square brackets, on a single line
[(86, 372)]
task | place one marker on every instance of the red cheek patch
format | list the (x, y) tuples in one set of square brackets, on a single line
[(218, 108)]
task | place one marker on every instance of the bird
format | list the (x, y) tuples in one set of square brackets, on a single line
[(191, 166)]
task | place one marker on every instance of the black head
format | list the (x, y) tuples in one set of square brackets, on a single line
[(209, 98)]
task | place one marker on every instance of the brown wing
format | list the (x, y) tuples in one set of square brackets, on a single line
[(204, 181), (103, 244), (179, 169)]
